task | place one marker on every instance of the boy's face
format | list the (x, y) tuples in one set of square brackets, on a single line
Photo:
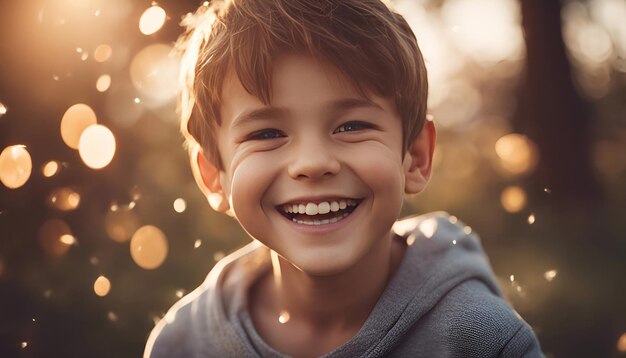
[(321, 146)]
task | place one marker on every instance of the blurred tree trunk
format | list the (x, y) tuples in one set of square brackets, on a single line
[(553, 114)]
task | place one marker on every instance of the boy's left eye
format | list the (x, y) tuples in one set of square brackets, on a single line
[(353, 126)]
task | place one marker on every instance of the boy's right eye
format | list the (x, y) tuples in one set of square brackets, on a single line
[(265, 134)]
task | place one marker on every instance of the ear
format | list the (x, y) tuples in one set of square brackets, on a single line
[(207, 178), (418, 159)]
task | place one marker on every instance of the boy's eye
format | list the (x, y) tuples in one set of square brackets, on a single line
[(352, 126), (266, 134)]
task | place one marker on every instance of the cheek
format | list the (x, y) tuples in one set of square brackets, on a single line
[(251, 179), (381, 170)]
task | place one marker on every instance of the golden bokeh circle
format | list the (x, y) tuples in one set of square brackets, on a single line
[(513, 199), (152, 20), (75, 120), (148, 247), (102, 286), (97, 146), (15, 166)]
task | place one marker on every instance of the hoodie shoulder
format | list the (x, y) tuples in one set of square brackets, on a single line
[(481, 324), (180, 329)]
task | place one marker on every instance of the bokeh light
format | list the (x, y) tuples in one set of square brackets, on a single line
[(103, 83), (148, 247), (102, 286), (284, 316), (75, 120), (154, 73), (64, 199), (50, 237), (550, 275), (97, 146), (517, 153), (152, 20), (3, 109), (50, 168), (121, 223), (513, 199), (428, 227), (487, 30), (102, 53), (68, 239), (15, 166), (621, 343), (180, 205)]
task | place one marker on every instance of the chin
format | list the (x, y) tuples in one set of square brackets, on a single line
[(321, 265)]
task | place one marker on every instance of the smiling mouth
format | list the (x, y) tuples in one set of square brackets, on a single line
[(323, 213)]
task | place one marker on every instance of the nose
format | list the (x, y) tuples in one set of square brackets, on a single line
[(312, 159)]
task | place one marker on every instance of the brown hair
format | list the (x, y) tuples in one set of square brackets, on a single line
[(372, 45)]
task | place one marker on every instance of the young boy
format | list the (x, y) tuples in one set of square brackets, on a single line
[(306, 121)]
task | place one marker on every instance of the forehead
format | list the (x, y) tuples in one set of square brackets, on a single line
[(299, 83)]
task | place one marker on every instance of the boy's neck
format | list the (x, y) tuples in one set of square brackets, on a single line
[(332, 306)]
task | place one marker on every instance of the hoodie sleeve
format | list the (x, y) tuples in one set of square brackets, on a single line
[(522, 344), (481, 324)]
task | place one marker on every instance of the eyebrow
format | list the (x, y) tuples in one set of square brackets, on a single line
[(339, 106)]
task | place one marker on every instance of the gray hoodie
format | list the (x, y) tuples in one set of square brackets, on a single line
[(442, 301)]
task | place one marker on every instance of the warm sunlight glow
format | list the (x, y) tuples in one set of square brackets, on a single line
[(102, 286), (152, 20), (488, 30), (513, 199), (103, 83), (154, 73), (149, 247), (97, 146), (15, 166)]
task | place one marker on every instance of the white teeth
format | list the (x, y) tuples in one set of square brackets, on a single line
[(321, 222), (324, 207), (311, 209)]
